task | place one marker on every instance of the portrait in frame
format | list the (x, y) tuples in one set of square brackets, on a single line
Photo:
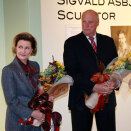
[(122, 39)]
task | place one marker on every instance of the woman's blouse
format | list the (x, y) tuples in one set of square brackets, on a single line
[(30, 72)]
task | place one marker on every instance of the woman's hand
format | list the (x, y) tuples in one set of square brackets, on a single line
[(51, 98), (38, 115)]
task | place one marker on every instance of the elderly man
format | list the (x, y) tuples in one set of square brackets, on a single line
[(82, 54)]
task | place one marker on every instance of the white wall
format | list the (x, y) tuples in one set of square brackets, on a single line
[(54, 33)]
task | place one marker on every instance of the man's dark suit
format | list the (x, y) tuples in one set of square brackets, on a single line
[(81, 62)]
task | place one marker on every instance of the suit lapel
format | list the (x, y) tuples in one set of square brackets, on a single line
[(22, 76), (100, 47), (93, 54), (87, 45)]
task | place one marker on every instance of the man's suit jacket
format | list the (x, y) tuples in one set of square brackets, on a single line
[(18, 92), (81, 62)]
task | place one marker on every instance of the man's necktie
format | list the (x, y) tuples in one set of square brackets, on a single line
[(93, 44)]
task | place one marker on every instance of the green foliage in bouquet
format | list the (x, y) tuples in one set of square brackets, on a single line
[(120, 65), (53, 73)]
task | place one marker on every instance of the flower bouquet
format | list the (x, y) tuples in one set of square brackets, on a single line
[(117, 69), (52, 82)]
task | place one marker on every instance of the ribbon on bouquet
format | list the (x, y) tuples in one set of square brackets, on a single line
[(29, 122), (40, 102), (102, 99), (100, 105), (97, 78)]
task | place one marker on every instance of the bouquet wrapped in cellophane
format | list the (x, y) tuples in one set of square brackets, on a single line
[(116, 70), (52, 82)]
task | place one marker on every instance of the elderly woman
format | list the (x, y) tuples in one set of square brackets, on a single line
[(19, 82)]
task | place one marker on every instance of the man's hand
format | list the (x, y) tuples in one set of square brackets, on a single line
[(105, 88)]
